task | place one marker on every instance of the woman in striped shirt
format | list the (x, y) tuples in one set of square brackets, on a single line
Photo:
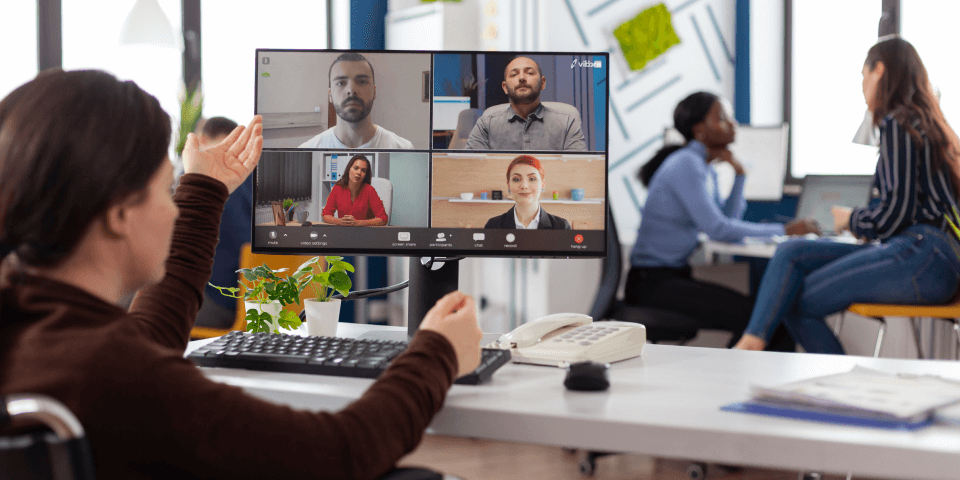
[(917, 260)]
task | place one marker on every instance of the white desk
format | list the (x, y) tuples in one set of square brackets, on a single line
[(712, 249), (665, 403)]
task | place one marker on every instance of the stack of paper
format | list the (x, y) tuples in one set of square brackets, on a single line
[(861, 396)]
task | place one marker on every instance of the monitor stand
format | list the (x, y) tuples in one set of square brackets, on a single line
[(430, 279)]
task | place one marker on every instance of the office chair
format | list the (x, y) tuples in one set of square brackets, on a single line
[(465, 122), (249, 260), (385, 191), (949, 312), (563, 108), (661, 325), (63, 454)]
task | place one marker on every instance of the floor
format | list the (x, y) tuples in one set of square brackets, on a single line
[(473, 459)]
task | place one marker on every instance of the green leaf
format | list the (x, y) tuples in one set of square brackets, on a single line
[(341, 266), (249, 274), (289, 320), (257, 321), (340, 282)]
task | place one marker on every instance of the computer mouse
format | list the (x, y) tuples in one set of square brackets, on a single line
[(306, 224), (587, 376)]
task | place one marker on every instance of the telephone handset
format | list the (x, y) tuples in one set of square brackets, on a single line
[(573, 337)]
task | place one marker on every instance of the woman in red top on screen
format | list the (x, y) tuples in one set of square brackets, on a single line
[(354, 199), (525, 181)]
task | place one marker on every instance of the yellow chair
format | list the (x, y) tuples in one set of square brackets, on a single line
[(249, 260), (949, 312)]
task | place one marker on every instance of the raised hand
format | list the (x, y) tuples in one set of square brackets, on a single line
[(232, 160)]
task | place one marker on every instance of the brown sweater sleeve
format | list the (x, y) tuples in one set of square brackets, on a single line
[(167, 310), (181, 423)]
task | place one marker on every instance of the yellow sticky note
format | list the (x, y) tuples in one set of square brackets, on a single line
[(646, 36)]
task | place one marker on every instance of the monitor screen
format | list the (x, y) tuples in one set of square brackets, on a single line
[(438, 154)]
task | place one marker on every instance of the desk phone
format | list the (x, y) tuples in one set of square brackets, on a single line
[(562, 338)]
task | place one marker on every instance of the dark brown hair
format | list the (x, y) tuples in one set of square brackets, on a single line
[(905, 91), (689, 112), (344, 181), (217, 127), (351, 57), (71, 145)]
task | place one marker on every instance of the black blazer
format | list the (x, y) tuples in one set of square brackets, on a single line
[(547, 221)]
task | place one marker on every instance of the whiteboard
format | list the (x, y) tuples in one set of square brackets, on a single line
[(763, 153)]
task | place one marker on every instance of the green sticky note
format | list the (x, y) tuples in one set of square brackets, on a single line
[(646, 36)]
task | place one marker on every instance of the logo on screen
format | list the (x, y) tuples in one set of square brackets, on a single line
[(583, 63), (578, 238)]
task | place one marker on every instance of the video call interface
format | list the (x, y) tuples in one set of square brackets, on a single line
[(431, 153)]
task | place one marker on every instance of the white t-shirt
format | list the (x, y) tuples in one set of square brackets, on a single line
[(382, 139)]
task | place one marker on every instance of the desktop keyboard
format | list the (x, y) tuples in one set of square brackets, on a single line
[(341, 357)]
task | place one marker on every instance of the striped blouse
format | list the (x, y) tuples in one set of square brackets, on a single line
[(911, 191)]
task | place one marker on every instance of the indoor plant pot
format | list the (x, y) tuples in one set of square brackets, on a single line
[(322, 317)]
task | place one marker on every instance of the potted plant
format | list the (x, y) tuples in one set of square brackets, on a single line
[(322, 311), (264, 298)]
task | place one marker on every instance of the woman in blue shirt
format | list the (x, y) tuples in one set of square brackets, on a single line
[(683, 200), (917, 260)]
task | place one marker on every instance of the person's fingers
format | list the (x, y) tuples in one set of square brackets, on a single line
[(237, 147), (450, 302), (251, 157), (193, 143), (466, 307), (256, 129), (232, 138), (447, 304)]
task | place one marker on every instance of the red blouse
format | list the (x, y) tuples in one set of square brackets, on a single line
[(366, 206)]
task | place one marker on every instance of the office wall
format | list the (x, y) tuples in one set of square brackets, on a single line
[(642, 103), (407, 172)]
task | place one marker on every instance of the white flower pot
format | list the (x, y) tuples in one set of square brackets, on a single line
[(322, 317), (273, 308)]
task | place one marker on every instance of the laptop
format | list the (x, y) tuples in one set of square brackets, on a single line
[(821, 192)]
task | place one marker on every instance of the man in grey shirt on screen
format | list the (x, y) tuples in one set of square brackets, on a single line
[(526, 123)]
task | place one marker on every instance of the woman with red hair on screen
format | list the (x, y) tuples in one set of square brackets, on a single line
[(354, 199), (525, 180)]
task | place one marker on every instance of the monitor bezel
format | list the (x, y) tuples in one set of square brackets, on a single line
[(441, 252)]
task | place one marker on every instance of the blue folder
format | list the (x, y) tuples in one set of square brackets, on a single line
[(827, 417)]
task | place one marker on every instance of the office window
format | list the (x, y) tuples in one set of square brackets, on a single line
[(19, 32), (925, 24), (91, 38), (230, 36), (830, 42)]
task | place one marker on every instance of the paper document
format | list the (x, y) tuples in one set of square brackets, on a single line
[(866, 392)]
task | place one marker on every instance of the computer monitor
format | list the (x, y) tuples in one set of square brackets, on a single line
[(821, 192), (328, 111)]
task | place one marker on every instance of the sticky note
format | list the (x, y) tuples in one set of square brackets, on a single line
[(646, 36)]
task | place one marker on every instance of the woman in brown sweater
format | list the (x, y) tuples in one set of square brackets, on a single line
[(87, 218)]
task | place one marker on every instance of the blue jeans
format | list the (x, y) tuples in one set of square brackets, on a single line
[(810, 279)]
